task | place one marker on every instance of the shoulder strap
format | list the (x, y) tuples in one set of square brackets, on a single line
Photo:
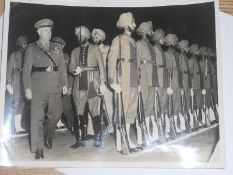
[(46, 53)]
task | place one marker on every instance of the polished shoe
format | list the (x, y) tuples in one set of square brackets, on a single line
[(77, 144), (39, 154), (48, 142), (136, 149)]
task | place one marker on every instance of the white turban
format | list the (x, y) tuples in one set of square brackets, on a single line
[(125, 20), (98, 32), (84, 31), (145, 27)]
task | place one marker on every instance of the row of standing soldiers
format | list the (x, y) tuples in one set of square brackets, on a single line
[(161, 86)]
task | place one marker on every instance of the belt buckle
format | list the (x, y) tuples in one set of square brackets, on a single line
[(49, 69)]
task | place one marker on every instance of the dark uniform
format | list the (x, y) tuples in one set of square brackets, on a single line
[(45, 78), (14, 78), (86, 84)]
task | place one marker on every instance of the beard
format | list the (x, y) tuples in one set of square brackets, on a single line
[(98, 42), (83, 41)]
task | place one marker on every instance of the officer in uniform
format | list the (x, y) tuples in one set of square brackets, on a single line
[(148, 76), (175, 81), (196, 79), (88, 68), (206, 91), (45, 78), (14, 83), (183, 47), (67, 100), (123, 74), (98, 37), (163, 78)]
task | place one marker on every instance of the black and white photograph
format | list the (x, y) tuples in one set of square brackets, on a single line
[(111, 85)]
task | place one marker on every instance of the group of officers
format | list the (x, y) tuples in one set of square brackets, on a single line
[(159, 85)]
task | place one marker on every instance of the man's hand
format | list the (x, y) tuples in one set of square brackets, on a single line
[(28, 94), (203, 91), (69, 91), (9, 89), (78, 70), (169, 91), (182, 92), (116, 88), (191, 92), (102, 88), (64, 90)]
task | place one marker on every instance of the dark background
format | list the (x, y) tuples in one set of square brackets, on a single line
[(193, 22)]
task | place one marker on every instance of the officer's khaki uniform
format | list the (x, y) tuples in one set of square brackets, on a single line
[(123, 52), (195, 71), (173, 64), (46, 89), (146, 59), (14, 76), (186, 79), (163, 78)]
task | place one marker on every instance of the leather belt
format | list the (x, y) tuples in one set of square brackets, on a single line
[(147, 62), (161, 66), (94, 68), (128, 60), (45, 69), (185, 72)]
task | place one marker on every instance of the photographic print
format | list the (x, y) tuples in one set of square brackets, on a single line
[(96, 84)]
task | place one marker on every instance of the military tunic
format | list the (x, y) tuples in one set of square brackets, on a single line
[(86, 84), (197, 81), (46, 87), (163, 78), (14, 77), (108, 94), (122, 69), (146, 59), (213, 70), (173, 64), (186, 79), (206, 74)]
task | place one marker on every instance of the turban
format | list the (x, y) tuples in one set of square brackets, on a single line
[(158, 34), (98, 32), (170, 39), (43, 23), (183, 44), (145, 27), (82, 30), (59, 40), (125, 20), (21, 40), (203, 49), (193, 48)]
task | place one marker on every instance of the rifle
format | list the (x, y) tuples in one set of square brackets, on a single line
[(141, 119), (171, 111), (184, 112), (204, 96), (120, 119), (103, 104), (214, 107), (158, 117)]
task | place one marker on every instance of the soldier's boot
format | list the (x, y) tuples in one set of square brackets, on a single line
[(200, 117), (133, 147), (172, 128), (97, 131), (77, 134), (182, 126), (193, 122), (167, 126), (177, 124), (83, 125), (155, 129), (148, 129), (139, 133)]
